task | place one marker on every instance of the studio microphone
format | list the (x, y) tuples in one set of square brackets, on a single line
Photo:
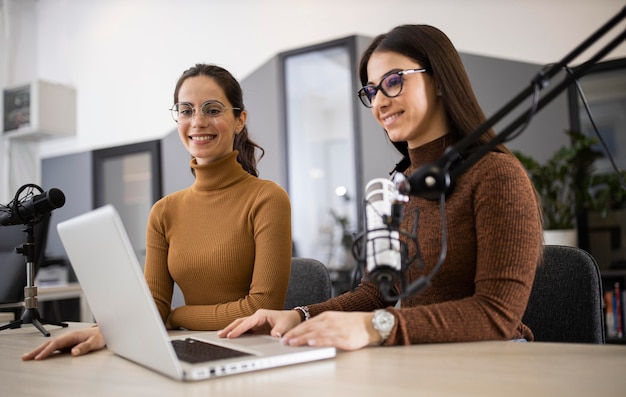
[(383, 212), (22, 213)]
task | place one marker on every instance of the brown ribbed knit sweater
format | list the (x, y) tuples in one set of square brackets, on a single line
[(226, 241), (494, 246)]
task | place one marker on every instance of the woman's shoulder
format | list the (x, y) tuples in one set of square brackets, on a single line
[(169, 200), (499, 164), (500, 175), (268, 186)]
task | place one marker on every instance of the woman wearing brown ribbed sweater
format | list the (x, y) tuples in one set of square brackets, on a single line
[(414, 81), (225, 240)]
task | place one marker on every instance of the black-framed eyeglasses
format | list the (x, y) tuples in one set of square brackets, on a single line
[(183, 112), (390, 85)]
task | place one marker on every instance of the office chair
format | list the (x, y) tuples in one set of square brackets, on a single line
[(309, 283), (566, 298)]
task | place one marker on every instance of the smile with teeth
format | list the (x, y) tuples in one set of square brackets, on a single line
[(202, 137), (390, 118)]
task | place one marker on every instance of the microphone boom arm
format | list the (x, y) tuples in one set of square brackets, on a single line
[(436, 180), (432, 180)]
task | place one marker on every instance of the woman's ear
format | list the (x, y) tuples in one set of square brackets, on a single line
[(241, 121)]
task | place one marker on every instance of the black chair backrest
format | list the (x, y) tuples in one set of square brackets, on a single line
[(13, 264), (309, 283), (566, 299)]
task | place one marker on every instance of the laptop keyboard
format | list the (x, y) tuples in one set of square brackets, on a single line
[(196, 351)]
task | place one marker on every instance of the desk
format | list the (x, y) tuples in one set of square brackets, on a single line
[(463, 369)]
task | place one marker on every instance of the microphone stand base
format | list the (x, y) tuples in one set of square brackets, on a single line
[(31, 316)]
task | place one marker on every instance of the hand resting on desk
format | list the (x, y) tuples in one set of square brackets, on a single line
[(78, 342), (343, 330)]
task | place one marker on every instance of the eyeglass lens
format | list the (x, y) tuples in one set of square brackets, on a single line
[(184, 112), (391, 86)]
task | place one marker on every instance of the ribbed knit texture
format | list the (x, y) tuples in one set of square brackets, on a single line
[(494, 246), (226, 241)]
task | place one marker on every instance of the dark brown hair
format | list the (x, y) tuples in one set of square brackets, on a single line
[(433, 50), (232, 89)]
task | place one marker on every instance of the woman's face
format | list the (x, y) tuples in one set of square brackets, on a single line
[(208, 138), (416, 115)]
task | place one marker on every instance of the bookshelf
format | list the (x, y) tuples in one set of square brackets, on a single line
[(614, 281)]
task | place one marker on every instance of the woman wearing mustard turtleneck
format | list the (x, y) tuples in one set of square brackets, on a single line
[(415, 84), (225, 240)]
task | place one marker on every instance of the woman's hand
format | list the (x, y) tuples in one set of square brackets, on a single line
[(78, 342), (343, 330), (277, 321)]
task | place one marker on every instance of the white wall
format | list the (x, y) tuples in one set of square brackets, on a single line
[(124, 56)]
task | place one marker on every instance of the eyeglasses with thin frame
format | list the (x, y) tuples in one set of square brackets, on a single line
[(390, 85), (183, 112)]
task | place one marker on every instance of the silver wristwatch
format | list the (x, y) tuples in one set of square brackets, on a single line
[(383, 322)]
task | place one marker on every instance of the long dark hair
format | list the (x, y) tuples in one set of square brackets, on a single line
[(246, 146), (433, 50)]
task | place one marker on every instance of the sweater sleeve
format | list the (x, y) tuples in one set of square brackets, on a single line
[(494, 246), (156, 260)]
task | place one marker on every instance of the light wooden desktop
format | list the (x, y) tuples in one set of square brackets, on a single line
[(463, 369)]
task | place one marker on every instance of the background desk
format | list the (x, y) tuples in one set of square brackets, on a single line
[(464, 369), (6, 317), (54, 293), (66, 291)]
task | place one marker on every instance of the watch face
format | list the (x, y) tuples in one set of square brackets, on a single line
[(384, 321)]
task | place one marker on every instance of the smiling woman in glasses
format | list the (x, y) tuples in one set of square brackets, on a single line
[(418, 91), (226, 239)]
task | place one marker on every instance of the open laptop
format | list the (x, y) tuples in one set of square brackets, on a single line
[(112, 280)]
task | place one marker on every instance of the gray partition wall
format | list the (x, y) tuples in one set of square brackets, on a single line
[(72, 174)]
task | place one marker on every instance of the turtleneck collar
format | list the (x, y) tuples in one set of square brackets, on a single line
[(429, 152), (218, 174)]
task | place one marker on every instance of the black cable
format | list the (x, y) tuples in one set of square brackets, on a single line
[(605, 147)]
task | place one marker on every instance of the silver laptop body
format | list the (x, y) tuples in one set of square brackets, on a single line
[(112, 280)]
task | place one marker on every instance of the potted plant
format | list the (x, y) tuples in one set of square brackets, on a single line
[(566, 184)]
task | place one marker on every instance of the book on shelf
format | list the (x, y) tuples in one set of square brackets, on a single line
[(614, 312)]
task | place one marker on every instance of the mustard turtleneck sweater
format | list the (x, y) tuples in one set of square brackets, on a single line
[(494, 246), (226, 241)]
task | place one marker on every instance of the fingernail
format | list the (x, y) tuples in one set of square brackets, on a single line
[(278, 335), (311, 342)]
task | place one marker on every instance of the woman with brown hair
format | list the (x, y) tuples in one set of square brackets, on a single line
[(226, 239), (417, 88)]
